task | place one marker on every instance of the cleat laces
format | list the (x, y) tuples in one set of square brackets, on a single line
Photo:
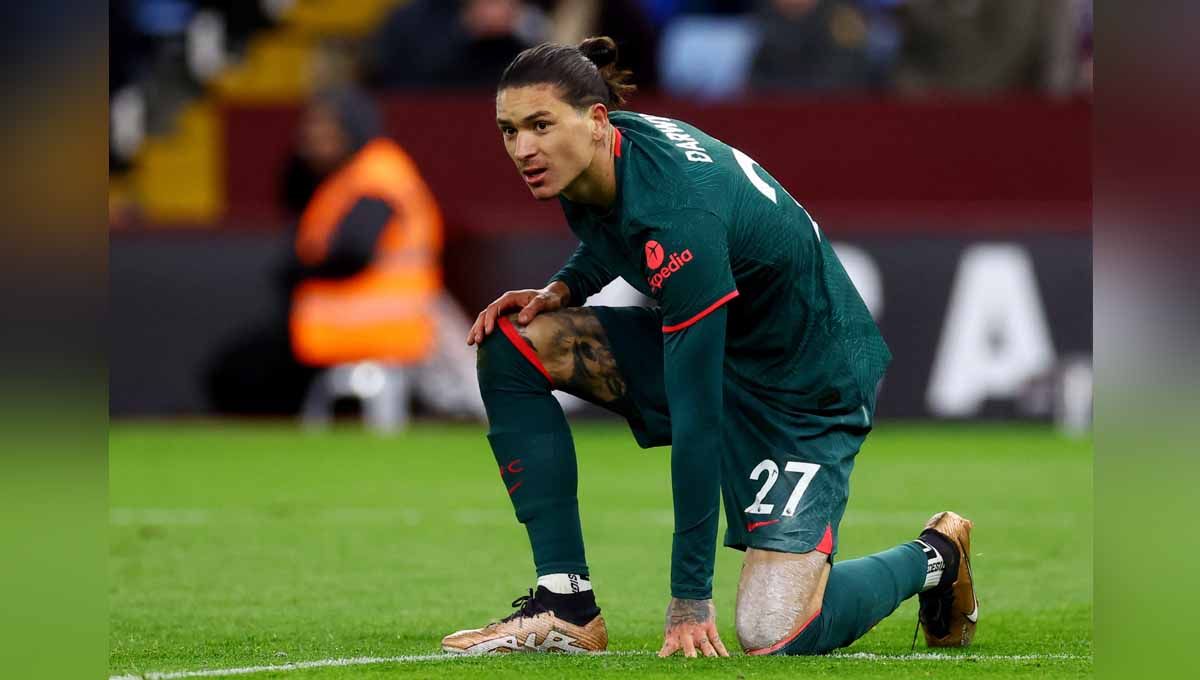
[(526, 606)]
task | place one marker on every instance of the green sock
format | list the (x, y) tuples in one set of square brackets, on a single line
[(533, 446), (859, 594)]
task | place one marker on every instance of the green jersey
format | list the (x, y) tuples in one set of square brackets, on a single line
[(697, 221), (739, 269)]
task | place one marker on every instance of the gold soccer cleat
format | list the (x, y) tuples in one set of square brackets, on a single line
[(949, 614), (532, 628)]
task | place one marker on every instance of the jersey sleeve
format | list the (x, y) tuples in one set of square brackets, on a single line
[(686, 262), (693, 358), (584, 275)]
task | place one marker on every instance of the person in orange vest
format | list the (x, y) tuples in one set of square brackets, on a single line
[(366, 273), (361, 280)]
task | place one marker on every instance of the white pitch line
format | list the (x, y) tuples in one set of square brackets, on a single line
[(927, 656), (321, 663), (369, 660), (299, 665)]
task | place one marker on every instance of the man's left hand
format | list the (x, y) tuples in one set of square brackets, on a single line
[(692, 625)]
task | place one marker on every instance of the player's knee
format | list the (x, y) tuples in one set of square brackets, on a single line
[(544, 335), (760, 629), (755, 634), (505, 360), (778, 594)]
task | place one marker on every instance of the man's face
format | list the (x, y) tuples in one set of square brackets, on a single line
[(549, 141), (323, 144), (491, 18)]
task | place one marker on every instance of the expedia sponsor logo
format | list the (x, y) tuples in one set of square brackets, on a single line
[(672, 265), (654, 254)]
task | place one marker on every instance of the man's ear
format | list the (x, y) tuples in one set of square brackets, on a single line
[(598, 120)]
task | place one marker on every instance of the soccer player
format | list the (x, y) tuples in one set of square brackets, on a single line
[(759, 366)]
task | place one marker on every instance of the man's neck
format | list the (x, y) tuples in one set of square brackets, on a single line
[(597, 184)]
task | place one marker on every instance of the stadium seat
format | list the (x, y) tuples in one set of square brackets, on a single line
[(707, 57), (382, 390)]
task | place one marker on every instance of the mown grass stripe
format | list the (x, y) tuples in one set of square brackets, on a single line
[(370, 660)]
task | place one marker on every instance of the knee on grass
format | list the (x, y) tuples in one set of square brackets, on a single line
[(779, 596)]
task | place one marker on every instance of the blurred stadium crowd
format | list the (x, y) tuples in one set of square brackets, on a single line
[(162, 52)]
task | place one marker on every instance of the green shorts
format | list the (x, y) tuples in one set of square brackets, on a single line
[(784, 488)]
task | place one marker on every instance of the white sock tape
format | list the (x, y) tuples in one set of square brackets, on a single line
[(564, 584), (935, 564)]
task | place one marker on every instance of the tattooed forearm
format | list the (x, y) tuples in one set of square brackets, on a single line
[(688, 611)]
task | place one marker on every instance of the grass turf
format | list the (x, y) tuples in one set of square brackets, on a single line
[(248, 544)]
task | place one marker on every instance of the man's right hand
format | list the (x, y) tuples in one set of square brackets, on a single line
[(531, 302)]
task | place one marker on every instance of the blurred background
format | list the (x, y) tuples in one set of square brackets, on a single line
[(309, 199)]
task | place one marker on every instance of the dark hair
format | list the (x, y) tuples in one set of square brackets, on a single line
[(584, 75)]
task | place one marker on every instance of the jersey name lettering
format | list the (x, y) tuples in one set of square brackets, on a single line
[(692, 148)]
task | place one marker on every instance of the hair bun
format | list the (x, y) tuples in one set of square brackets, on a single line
[(601, 50)]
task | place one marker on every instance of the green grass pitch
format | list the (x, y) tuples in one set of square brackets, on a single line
[(236, 545)]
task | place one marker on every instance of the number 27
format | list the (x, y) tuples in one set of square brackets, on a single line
[(807, 472)]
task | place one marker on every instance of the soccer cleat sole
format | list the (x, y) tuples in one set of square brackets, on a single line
[(544, 633)]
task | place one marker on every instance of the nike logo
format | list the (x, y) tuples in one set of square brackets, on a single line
[(973, 617), (514, 487), (751, 526)]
